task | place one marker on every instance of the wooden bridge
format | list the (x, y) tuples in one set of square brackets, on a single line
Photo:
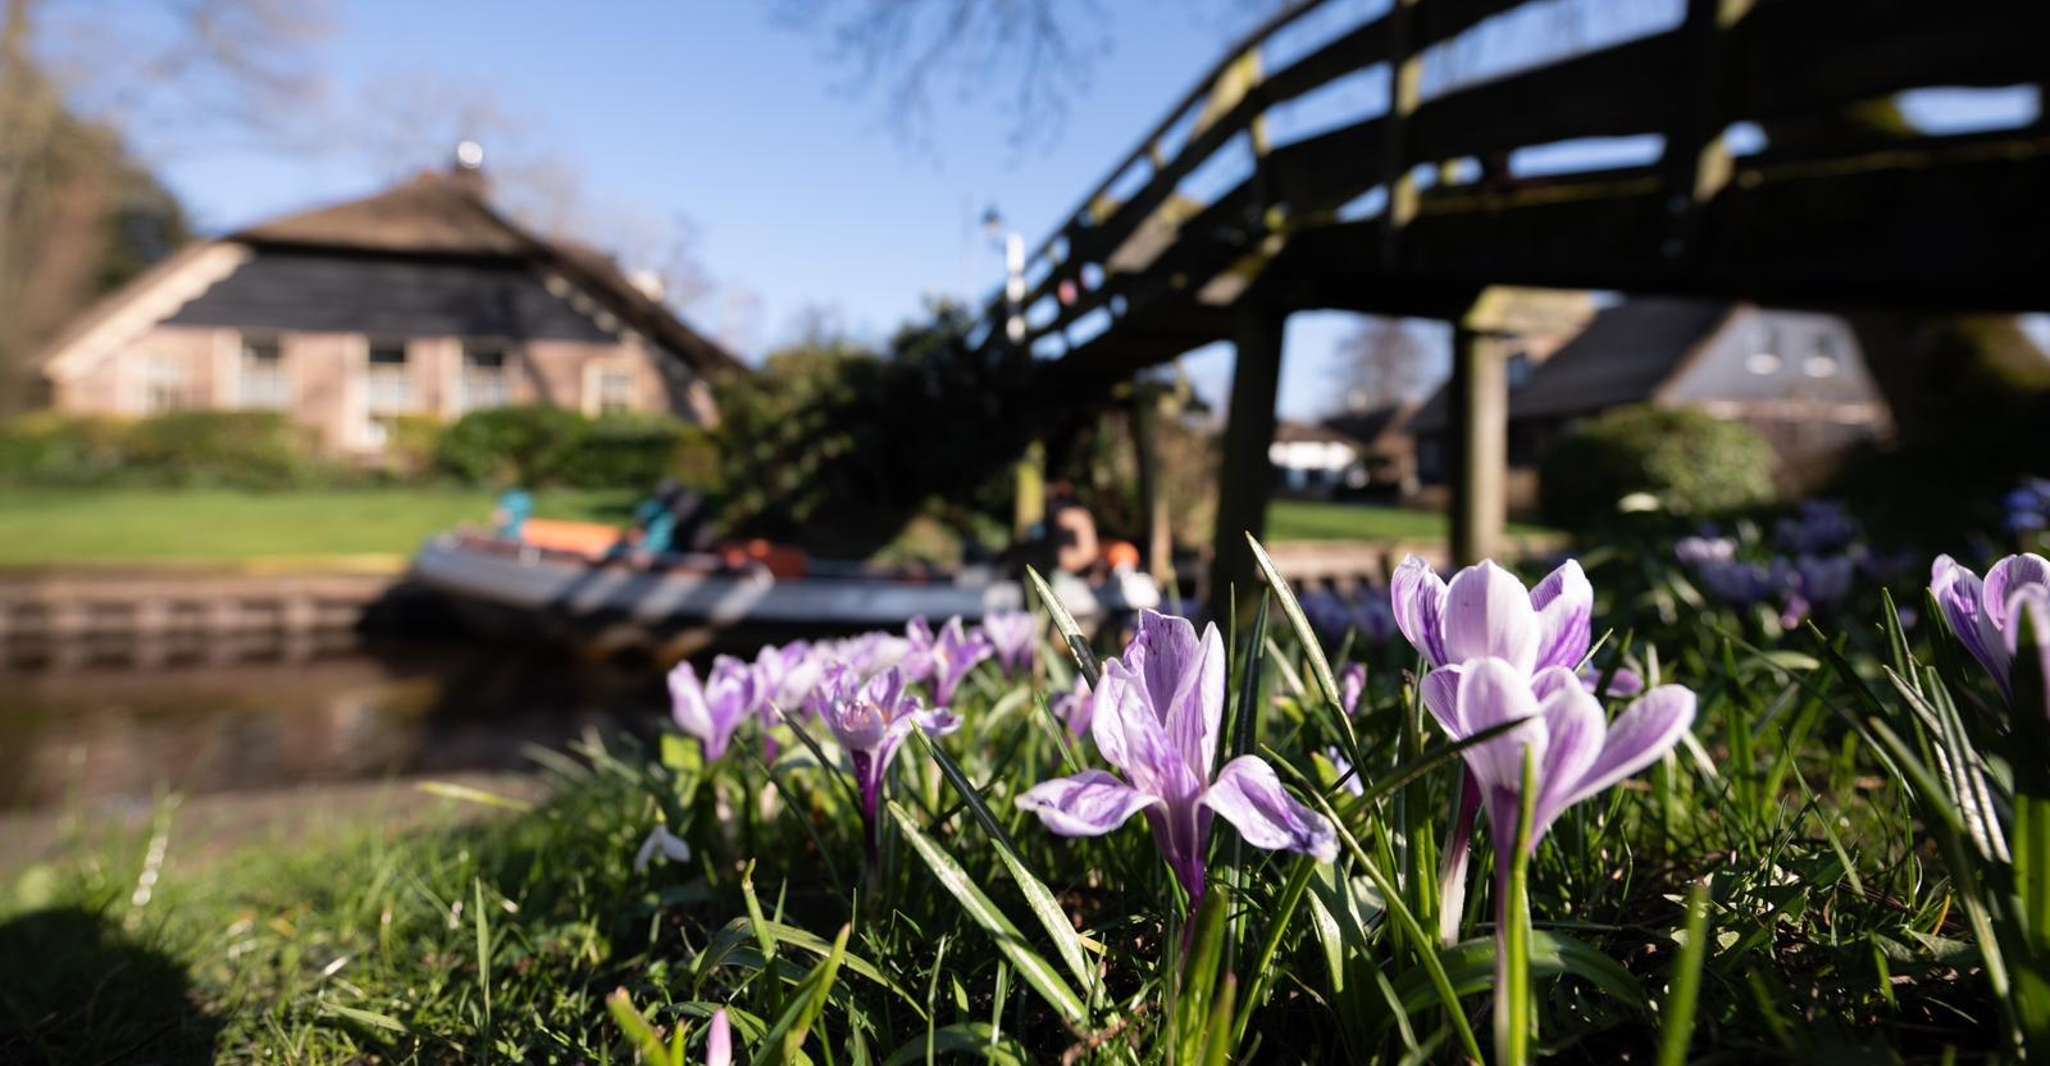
[(1772, 165)]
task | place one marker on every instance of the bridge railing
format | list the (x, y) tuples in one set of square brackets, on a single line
[(1208, 196)]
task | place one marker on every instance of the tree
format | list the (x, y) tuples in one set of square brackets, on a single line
[(1380, 363), (80, 89)]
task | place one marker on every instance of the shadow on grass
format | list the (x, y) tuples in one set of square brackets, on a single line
[(75, 989)]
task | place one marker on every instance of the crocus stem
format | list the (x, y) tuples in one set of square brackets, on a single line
[(1452, 866), (1514, 1021)]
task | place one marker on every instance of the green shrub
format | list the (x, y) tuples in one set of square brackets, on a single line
[(411, 447), (508, 445), (50, 449), (236, 449), (1690, 462), (535, 446), (621, 451)]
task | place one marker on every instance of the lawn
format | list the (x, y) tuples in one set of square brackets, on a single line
[(52, 526), (43, 527), (1311, 520)]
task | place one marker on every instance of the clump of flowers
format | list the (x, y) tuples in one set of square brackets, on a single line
[(2027, 508), (1362, 610), (1156, 717)]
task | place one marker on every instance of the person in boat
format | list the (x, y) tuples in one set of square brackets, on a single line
[(672, 518), (509, 518), (1073, 532)]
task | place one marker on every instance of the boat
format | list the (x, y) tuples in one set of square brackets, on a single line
[(681, 603)]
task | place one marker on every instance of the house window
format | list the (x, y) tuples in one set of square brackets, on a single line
[(390, 380), (615, 390), (163, 386), (484, 377), (261, 374)]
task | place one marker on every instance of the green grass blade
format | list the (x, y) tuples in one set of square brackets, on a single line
[(1064, 624), (1320, 668), (638, 1032), (784, 1042), (1676, 1030), (1030, 965), (1067, 943)]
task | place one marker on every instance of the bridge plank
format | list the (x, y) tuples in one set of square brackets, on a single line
[(1614, 92), (1799, 57)]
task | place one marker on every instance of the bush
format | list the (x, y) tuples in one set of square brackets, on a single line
[(237, 449), (1692, 463), (49, 449), (508, 445), (535, 446), (621, 451), (233, 449)]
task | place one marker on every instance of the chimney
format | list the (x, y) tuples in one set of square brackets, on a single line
[(467, 169)]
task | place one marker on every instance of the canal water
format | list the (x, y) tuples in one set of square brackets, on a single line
[(87, 727)]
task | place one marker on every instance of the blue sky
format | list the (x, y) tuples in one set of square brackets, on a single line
[(798, 191)]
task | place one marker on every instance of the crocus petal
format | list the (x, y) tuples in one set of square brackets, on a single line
[(1131, 738), (1962, 597), (1417, 595), (1638, 737), (719, 1040), (2009, 576), (1088, 804), (1352, 682), (1565, 603), (2034, 602), (1441, 697), (1183, 677), (1250, 797), (1574, 734), (1491, 691), (1488, 615)]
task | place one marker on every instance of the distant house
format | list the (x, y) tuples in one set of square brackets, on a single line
[(1316, 461), (1388, 450), (1798, 377), (419, 300)]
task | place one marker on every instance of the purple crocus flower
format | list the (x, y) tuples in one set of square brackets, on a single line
[(713, 710), (1736, 583), (1343, 766), (873, 652), (1813, 583), (1373, 617), (1578, 751), (719, 1040), (1352, 683), (870, 718), (1985, 615), (1015, 637), (951, 656), (1485, 612), (1075, 707), (1156, 719), (1696, 551), (1625, 684), (785, 676)]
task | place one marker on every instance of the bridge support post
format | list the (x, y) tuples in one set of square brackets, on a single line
[(1246, 475), (1146, 404), (1480, 446)]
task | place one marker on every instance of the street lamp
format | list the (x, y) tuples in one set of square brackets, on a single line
[(1013, 245)]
